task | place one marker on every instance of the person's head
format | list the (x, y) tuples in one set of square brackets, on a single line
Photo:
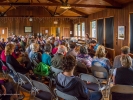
[(100, 52), (8, 39), (62, 49), (93, 43), (9, 49), (56, 43), (126, 61), (2, 40), (125, 50), (72, 45), (34, 47), (68, 63), (83, 50), (87, 36), (47, 48)]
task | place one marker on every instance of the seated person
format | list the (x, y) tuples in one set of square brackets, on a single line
[(11, 60), (94, 44), (68, 83), (57, 59), (100, 58), (6, 88), (84, 57), (34, 54), (72, 50), (125, 50), (54, 50), (46, 58), (123, 76)]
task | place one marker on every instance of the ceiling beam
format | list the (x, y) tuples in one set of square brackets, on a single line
[(55, 10), (64, 11), (78, 1), (113, 2), (13, 16), (78, 12), (59, 4), (8, 9)]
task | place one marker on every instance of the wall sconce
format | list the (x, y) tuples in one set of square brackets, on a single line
[(55, 22), (30, 19)]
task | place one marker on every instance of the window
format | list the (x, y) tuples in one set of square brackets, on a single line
[(83, 29), (131, 33), (100, 31), (75, 29), (93, 29), (109, 32), (79, 30)]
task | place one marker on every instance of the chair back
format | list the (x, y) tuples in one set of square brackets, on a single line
[(123, 89), (64, 96), (11, 68), (99, 72), (40, 86), (81, 67), (25, 79), (88, 78), (55, 70)]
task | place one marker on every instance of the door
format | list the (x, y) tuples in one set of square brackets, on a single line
[(66, 32), (3, 32), (45, 31)]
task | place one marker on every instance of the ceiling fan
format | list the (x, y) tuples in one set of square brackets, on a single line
[(65, 4)]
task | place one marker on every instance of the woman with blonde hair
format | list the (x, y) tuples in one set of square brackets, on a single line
[(9, 49), (34, 54), (100, 58), (124, 74)]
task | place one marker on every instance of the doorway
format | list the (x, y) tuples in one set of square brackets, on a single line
[(3, 33)]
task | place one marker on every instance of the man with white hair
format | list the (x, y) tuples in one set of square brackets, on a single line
[(57, 59)]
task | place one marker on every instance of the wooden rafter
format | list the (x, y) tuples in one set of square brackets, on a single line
[(46, 9), (59, 4), (8, 9), (78, 1), (113, 2), (55, 10), (64, 11), (13, 16)]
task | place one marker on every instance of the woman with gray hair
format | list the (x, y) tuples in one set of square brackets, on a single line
[(57, 59), (124, 74)]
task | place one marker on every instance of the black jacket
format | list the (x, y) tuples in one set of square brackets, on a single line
[(76, 87), (18, 68)]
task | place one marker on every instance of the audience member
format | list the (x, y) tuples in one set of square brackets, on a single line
[(34, 54), (125, 50), (100, 58), (46, 58), (84, 57), (54, 50), (57, 59), (72, 85)]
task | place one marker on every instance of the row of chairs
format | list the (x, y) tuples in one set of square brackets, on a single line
[(42, 91)]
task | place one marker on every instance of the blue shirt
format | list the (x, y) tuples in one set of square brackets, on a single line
[(46, 59), (95, 47)]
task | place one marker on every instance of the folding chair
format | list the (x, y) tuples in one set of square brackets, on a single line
[(63, 95), (94, 84), (4, 68), (42, 91), (102, 75), (121, 92), (14, 75), (26, 84), (81, 67), (55, 70)]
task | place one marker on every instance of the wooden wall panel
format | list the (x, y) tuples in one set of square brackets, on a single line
[(121, 18)]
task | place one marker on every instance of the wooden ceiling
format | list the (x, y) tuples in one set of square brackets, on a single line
[(35, 8)]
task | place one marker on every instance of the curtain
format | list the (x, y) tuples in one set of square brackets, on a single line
[(100, 25), (109, 32), (131, 33)]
